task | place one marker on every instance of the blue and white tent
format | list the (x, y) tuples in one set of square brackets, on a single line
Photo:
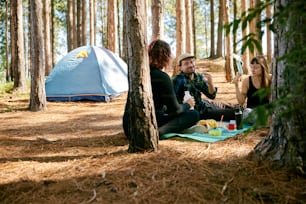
[(87, 73)]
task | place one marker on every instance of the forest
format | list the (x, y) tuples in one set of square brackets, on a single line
[(76, 152)]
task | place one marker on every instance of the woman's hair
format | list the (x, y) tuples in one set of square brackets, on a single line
[(265, 76), (159, 54)]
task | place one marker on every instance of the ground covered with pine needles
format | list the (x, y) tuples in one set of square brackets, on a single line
[(76, 152)]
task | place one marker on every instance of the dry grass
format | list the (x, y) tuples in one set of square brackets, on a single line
[(77, 153)]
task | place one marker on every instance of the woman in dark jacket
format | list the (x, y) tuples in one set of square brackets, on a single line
[(170, 115)]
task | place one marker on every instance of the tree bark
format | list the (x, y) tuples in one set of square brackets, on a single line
[(17, 41), (38, 94), (245, 55), (285, 146), (157, 19), (212, 30), (189, 30), (111, 25), (47, 37), (142, 122), (220, 29), (180, 31), (229, 65)]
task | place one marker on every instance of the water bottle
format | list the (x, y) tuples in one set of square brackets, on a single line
[(238, 118), (187, 96)]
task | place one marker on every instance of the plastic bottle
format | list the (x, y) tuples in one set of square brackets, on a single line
[(187, 96)]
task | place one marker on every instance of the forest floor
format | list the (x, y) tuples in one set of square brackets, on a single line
[(76, 152)]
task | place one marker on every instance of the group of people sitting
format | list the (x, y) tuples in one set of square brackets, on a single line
[(173, 113)]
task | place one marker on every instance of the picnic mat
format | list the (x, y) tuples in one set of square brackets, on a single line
[(205, 137)]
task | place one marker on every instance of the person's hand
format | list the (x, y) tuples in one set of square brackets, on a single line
[(191, 102), (208, 78), (237, 78)]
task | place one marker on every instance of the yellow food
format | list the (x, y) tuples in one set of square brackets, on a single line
[(209, 123), (215, 132)]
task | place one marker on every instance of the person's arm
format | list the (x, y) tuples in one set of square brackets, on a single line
[(242, 95), (207, 88), (211, 87)]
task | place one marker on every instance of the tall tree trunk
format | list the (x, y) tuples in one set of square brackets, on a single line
[(70, 34), (92, 29), (286, 146), (180, 31), (84, 22), (157, 19), (220, 29), (245, 55), (111, 25), (47, 37), (38, 94), (7, 49), (17, 42), (189, 33), (252, 28), (212, 30), (142, 123), (229, 65), (269, 35)]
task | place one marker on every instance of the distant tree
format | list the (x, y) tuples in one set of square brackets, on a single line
[(38, 95), (47, 36), (111, 25), (93, 14), (71, 26), (245, 55), (83, 19), (212, 29), (180, 31), (7, 42), (180, 27), (142, 122), (189, 26), (269, 33), (229, 66), (17, 46), (220, 29), (157, 19)]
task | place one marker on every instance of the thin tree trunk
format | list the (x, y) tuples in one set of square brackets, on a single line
[(157, 19), (142, 122), (220, 30), (189, 33), (111, 25), (18, 47), (212, 30), (229, 65), (245, 55), (269, 35), (7, 49), (38, 95), (47, 38), (180, 31)]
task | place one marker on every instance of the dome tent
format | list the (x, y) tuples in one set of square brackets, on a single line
[(87, 73)]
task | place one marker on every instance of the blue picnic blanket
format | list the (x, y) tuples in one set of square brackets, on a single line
[(208, 138)]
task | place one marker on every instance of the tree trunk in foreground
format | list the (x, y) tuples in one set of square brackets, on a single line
[(142, 122), (286, 146), (38, 94)]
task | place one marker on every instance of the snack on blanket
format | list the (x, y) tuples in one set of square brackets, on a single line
[(196, 129), (215, 132), (209, 123)]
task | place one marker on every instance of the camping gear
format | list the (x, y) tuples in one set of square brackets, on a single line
[(87, 73)]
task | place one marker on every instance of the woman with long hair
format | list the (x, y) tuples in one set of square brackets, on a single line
[(259, 79)]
